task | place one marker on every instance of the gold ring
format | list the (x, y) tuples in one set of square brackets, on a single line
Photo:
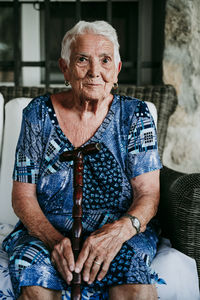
[(96, 262)]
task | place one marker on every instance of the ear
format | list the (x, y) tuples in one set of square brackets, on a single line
[(63, 67), (119, 67)]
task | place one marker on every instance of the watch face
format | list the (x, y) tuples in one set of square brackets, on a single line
[(136, 222)]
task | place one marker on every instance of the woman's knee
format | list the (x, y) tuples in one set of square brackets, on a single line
[(133, 292), (30, 253), (39, 293)]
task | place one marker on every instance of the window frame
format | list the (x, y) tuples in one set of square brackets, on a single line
[(144, 59)]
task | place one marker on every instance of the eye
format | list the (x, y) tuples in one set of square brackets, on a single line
[(106, 60), (82, 60)]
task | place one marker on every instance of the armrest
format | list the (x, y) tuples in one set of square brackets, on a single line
[(179, 211), (168, 206)]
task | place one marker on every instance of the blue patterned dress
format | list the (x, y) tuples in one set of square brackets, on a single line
[(129, 148)]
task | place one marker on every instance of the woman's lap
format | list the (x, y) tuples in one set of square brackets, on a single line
[(30, 264)]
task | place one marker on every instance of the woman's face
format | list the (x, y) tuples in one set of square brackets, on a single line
[(92, 71)]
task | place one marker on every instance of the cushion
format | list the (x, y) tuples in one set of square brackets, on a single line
[(179, 272), (1, 121), (13, 117), (153, 111), (6, 291)]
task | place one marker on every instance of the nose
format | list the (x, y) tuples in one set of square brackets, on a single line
[(94, 69)]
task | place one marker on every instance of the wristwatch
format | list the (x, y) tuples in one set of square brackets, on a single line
[(135, 222)]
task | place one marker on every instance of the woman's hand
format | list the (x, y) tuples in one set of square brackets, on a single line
[(63, 258), (100, 248)]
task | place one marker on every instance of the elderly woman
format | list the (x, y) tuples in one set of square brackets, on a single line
[(121, 181)]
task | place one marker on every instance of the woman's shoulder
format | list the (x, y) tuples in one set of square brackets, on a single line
[(36, 107), (133, 106)]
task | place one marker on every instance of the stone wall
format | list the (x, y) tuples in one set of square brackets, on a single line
[(181, 67)]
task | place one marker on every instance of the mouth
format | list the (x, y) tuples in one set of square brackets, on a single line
[(92, 84)]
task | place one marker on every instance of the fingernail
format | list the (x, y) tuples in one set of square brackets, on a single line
[(90, 282), (99, 278), (77, 270), (71, 268), (86, 278)]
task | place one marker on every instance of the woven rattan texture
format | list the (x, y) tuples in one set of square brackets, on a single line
[(164, 98), (179, 211)]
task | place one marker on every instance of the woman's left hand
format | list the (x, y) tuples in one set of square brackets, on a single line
[(100, 248)]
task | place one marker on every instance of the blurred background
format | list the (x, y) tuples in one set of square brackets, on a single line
[(31, 34)]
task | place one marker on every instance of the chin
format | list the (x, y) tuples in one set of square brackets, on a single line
[(93, 95)]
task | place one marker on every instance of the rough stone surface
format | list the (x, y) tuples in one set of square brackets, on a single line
[(181, 67)]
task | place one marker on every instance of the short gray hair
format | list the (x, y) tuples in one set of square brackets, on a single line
[(96, 27)]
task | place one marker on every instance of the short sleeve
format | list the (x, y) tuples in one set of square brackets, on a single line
[(143, 154), (29, 150)]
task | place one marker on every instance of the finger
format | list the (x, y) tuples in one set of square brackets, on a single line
[(95, 269), (104, 269), (88, 266), (83, 255), (56, 259), (106, 264), (61, 263), (68, 254)]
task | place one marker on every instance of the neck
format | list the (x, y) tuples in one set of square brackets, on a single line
[(86, 106)]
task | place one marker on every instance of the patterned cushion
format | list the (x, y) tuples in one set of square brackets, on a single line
[(6, 291)]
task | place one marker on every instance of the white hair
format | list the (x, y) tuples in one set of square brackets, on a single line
[(96, 27)]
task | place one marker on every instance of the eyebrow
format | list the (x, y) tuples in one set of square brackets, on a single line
[(105, 54), (82, 54), (87, 55)]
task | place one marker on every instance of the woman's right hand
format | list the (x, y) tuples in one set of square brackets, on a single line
[(63, 258)]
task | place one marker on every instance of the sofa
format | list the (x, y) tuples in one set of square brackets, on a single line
[(178, 258)]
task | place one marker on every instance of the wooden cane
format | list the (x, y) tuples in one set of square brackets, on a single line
[(77, 156)]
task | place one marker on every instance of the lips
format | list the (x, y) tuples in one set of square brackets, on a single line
[(92, 84)]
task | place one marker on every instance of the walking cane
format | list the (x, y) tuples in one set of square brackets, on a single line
[(77, 156)]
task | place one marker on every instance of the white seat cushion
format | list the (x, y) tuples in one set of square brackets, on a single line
[(13, 117), (179, 271), (1, 121)]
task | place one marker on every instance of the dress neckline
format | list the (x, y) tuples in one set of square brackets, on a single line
[(97, 136)]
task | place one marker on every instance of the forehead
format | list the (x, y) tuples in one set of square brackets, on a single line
[(89, 43)]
